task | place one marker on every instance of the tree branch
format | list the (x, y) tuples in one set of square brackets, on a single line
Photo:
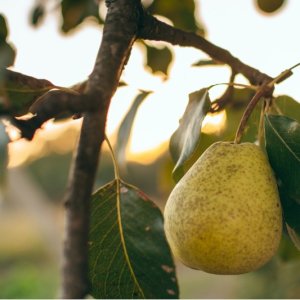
[(118, 37), (153, 29)]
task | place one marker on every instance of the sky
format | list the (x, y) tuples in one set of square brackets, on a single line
[(268, 43)]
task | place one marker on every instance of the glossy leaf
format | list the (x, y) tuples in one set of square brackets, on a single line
[(19, 91), (159, 59), (234, 111), (124, 131), (185, 139), (283, 147), (128, 253)]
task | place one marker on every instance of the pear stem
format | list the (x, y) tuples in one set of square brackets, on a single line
[(265, 89)]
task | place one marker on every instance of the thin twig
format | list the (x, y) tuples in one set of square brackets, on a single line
[(154, 29)]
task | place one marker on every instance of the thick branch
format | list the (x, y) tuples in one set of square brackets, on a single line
[(153, 29), (119, 34)]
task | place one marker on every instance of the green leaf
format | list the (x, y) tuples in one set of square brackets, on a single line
[(206, 62), (3, 28), (185, 139), (287, 106), (159, 59), (283, 147), (291, 209), (128, 253), (75, 12), (7, 54), (181, 13), (19, 91), (37, 14), (7, 51), (124, 131)]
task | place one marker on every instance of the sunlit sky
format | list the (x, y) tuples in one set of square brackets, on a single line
[(265, 42)]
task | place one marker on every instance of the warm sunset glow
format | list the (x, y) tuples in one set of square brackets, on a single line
[(66, 60), (54, 137), (214, 123)]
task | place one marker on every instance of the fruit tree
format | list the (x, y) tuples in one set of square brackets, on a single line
[(236, 192)]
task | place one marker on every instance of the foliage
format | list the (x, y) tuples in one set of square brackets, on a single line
[(128, 254), (127, 235)]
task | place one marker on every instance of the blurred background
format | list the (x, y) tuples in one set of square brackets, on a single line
[(58, 41)]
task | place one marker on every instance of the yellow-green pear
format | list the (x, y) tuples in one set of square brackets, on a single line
[(224, 215)]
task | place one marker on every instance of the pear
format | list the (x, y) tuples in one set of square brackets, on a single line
[(224, 215)]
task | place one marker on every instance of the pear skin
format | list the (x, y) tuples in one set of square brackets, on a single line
[(224, 215)]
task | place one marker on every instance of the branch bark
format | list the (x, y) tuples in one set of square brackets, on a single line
[(147, 27), (153, 29), (118, 37)]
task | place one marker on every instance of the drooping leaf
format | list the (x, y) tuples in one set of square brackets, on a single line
[(19, 91), (159, 59), (124, 131), (181, 13), (287, 106), (128, 253), (186, 138), (74, 12), (283, 147), (234, 111), (206, 62)]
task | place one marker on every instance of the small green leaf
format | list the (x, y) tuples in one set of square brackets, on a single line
[(185, 139), (128, 254), (181, 13), (37, 14), (7, 55), (75, 12), (206, 62), (19, 91), (124, 131), (283, 148), (159, 59), (3, 28)]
